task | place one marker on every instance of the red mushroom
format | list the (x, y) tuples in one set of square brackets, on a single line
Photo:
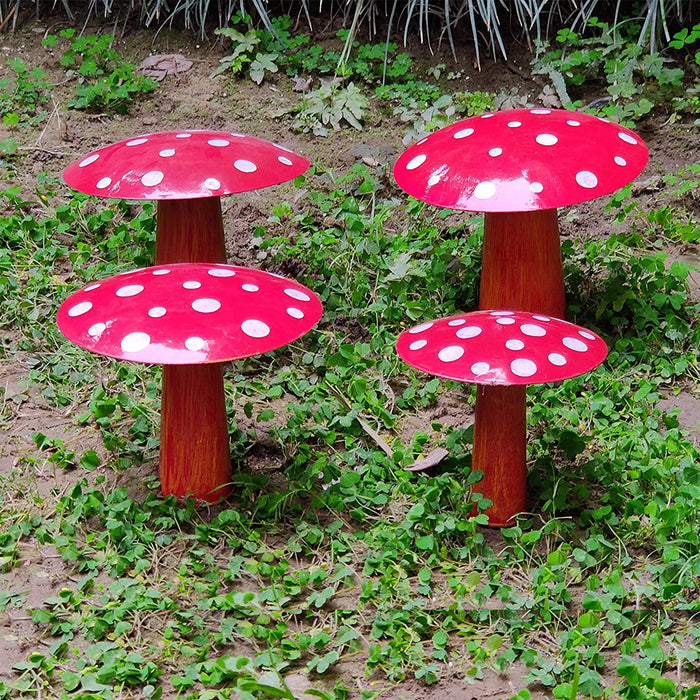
[(504, 350), (190, 318), (187, 172)]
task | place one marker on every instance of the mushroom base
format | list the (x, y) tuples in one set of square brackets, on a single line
[(194, 447), (499, 451)]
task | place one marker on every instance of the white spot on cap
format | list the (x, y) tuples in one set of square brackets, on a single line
[(433, 180), (502, 313), (573, 122), (575, 344), (134, 342), (505, 321), (294, 312), (131, 290), (532, 329), (79, 309), (245, 166), (538, 317), (456, 322), (157, 311), (284, 160), (546, 139), (619, 160), (416, 161), (277, 145), (167, 153), (250, 287), (183, 136), (627, 138), (468, 332), (556, 359), (451, 353), (192, 284), (515, 344), (161, 272), (104, 182), (255, 328), (97, 329), (523, 367), (206, 306), (152, 178), (515, 124), (418, 344), (195, 343), (92, 286), (88, 160), (297, 294), (219, 143), (495, 152), (486, 116), (136, 142), (587, 335), (211, 183), (536, 187), (220, 272), (485, 190), (463, 133), (586, 179), (422, 327), (480, 368), (540, 111)]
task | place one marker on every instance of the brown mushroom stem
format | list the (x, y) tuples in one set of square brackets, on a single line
[(194, 448), (499, 450), (190, 230), (521, 263)]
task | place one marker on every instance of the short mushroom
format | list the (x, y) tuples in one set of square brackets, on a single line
[(190, 317), (518, 166), (503, 350), (186, 172)]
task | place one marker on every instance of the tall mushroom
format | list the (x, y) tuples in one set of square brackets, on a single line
[(190, 318), (507, 350), (187, 172)]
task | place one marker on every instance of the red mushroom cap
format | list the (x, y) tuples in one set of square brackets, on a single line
[(183, 165), (521, 160), (501, 347), (188, 313)]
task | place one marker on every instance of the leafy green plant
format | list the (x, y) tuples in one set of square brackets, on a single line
[(23, 97), (328, 107)]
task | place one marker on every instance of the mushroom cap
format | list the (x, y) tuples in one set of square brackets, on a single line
[(521, 160), (183, 165), (188, 313), (501, 347)]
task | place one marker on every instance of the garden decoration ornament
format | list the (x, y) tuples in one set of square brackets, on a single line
[(190, 317), (187, 172), (502, 351)]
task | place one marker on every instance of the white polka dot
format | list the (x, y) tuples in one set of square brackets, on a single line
[(167, 153), (586, 179), (422, 141), (219, 272), (546, 139), (486, 116), (468, 332), (211, 183), (537, 317), (297, 294), (619, 160), (195, 343), (294, 312), (515, 344), (587, 335), (206, 306), (540, 111), (505, 321), (416, 161), (245, 166), (88, 160), (250, 287), (433, 180), (536, 187), (183, 136), (456, 322), (422, 327), (556, 359), (573, 122), (523, 367), (451, 353), (417, 344), (152, 178), (485, 190), (533, 330), (79, 309), (627, 138), (284, 161), (575, 344), (97, 329), (255, 329), (157, 311), (136, 142), (218, 143), (92, 286), (192, 284), (134, 342), (463, 133), (495, 152), (243, 136), (502, 313), (514, 125), (131, 290), (104, 182), (480, 368), (161, 272)]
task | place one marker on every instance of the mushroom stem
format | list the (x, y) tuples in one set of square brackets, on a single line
[(521, 263), (194, 448), (499, 450), (190, 230)]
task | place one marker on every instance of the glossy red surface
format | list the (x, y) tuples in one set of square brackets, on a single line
[(501, 348), (188, 313), (183, 165), (521, 160)]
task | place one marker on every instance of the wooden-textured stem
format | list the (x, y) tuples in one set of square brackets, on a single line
[(194, 449), (499, 450), (521, 264), (190, 230)]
